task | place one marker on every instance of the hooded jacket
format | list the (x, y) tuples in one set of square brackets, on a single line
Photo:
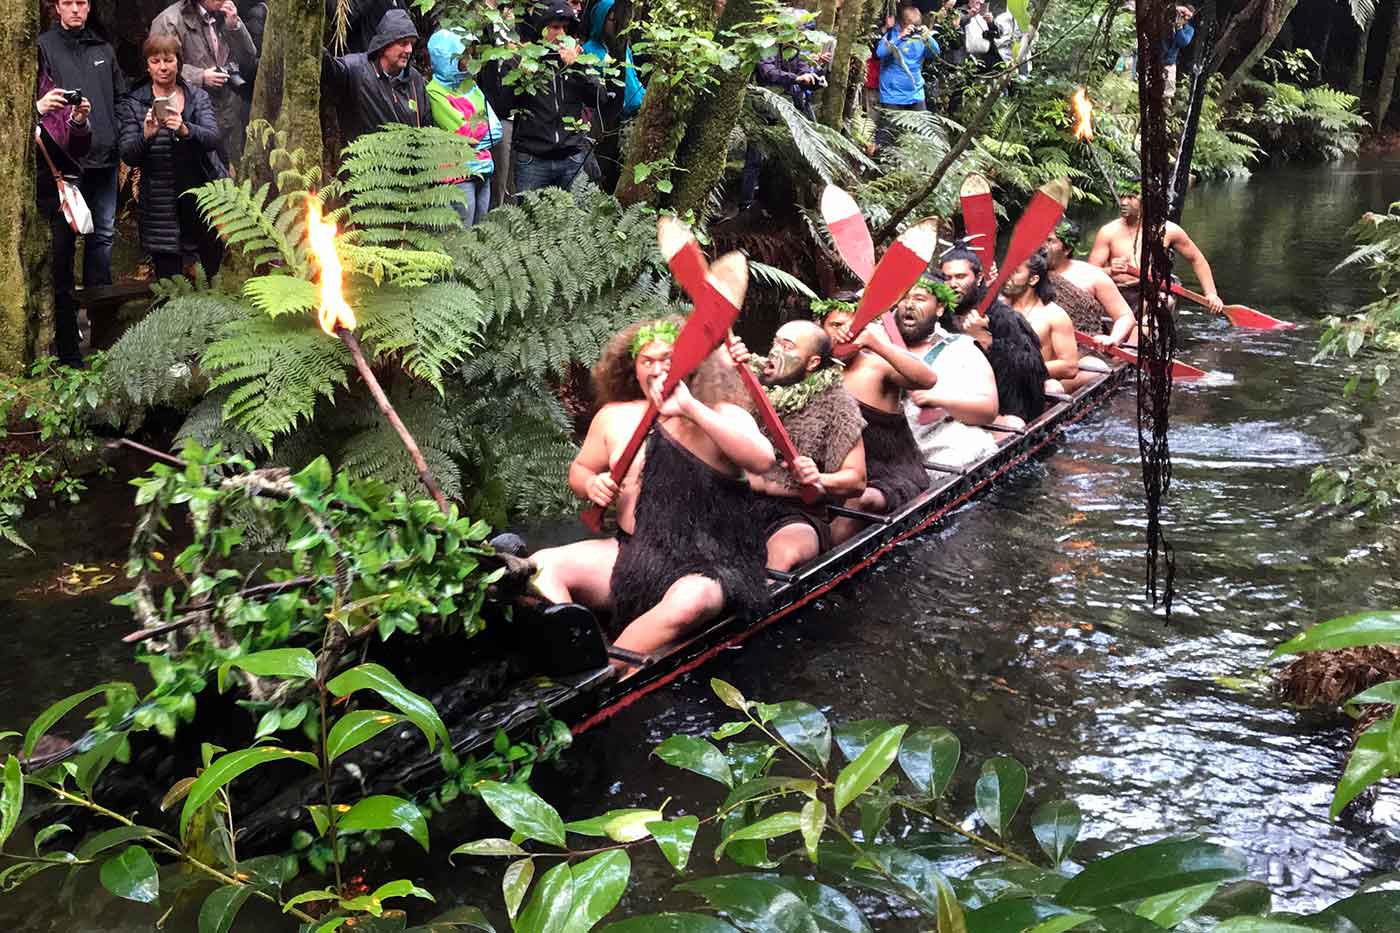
[(370, 97), (571, 93), (170, 166), (78, 60), (458, 105), (901, 66), (633, 93)]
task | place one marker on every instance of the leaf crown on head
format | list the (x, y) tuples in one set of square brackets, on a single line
[(665, 332), (939, 290), (821, 307)]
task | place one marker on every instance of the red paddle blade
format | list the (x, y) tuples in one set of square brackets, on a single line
[(1241, 316), (980, 216), (1181, 372), (849, 231), (683, 254), (1037, 223), (899, 269)]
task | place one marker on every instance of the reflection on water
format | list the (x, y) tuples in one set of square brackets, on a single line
[(1020, 624)]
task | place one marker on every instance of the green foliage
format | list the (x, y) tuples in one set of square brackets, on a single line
[(399, 184), (823, 837), (1294, 117), (45, 436)]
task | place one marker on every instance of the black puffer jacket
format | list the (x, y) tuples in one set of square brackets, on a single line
[(169, 166)]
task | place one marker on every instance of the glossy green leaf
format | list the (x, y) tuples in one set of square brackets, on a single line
[(758, 905), (803, 727), (487, 847), (950, 912), (1363, 628), (11, 798), (1056, 826), (769, 787), (227, 767), (1061, 923), (599, 884), (630, 826), (1368, 762), (131, 875), (384, 811), (1000, 789), (1388, 693), (419, 710), (770, 827), (111, 838), (1262, 925), (551, 904), (675, 838), (288, 663), (1367, 912), (1014, 913), (1240, 899), (220, 909), (49, 832), (869, 765), (670, 923), (523, 811), (355, 728), (729, 730), (852, 737), (309, 897), (598, 825), (1149, 870), (515, 882), (692, 754), (373, 903), (812, 823), (56, 711), (833, 911), (458, 918), (929, 757), (728, 694), (1018, 11), (1167, 910)]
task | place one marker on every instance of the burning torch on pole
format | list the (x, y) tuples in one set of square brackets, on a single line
[(1084, 132), (338, 320)]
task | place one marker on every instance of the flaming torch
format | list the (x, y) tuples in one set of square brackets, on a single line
[(1084, 132), (338, 320)]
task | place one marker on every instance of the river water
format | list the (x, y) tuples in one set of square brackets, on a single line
[(1020, 623)]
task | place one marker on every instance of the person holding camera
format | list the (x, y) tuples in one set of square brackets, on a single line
[(902, 52), (83, 65), (170, 132), (1182, 34), (216, 49)]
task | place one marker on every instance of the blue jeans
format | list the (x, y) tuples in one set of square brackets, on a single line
[(99, 188), (478, 192), (533, 172)]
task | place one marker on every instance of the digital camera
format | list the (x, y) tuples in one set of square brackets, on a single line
[(235, 77), (74, 97)]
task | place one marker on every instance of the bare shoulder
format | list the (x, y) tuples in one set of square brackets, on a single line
[(1175, 233), (613, 414), (734, 413)]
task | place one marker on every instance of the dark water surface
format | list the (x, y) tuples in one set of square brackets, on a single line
[(1020, 624)]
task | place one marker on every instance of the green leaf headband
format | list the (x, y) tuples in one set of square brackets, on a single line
[(657, 332), (821, 307), (940, 290), (1131, 186)]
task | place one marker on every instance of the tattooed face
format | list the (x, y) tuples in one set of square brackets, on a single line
[(789, 361)]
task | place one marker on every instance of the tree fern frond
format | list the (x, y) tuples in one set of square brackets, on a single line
[(777, 278), (281, 294), (432, 327)]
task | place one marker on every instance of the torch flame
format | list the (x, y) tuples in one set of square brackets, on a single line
[(1083, 116), (335, 312)]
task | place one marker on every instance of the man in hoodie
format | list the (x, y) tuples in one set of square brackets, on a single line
[(378, 86), (619, 102), (77, 59), (552, 138), (459, 107)]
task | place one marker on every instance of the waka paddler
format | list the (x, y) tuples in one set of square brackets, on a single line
[(1084, 290), (686, 548), (1118, 248), (965, 394), (825, 424), (1008, 341), (1032, 295), (877, 375)]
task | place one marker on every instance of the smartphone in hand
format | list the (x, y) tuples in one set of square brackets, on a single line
[(160, 106)]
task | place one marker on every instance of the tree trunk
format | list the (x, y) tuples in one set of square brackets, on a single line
[(1272, 24), (24, 241), (1233, 29), (705, 147), (833, 102), (1358, 62), (661, 123), (287, 93), (826, 15), (1385, 90)]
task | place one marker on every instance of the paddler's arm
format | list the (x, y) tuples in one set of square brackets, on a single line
[(970, 396), (910, 372), (733, 430), (589, 477), (1185, 247), (1113, 302), (846, 482), (1065, 365)]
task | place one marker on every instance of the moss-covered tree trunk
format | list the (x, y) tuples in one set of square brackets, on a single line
[(24, 240), (705, 147), (288, 90), (1273, 22), (1385, 90), (1358, 63), (848, 26), (661, 123), (826, 15)]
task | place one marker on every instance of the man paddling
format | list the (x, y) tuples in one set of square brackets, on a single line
[(1085, 291), (877, 375), (1118, 247), (685, 549), (965, 393), (1031, 294), (1008, 341), (825, 424)]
